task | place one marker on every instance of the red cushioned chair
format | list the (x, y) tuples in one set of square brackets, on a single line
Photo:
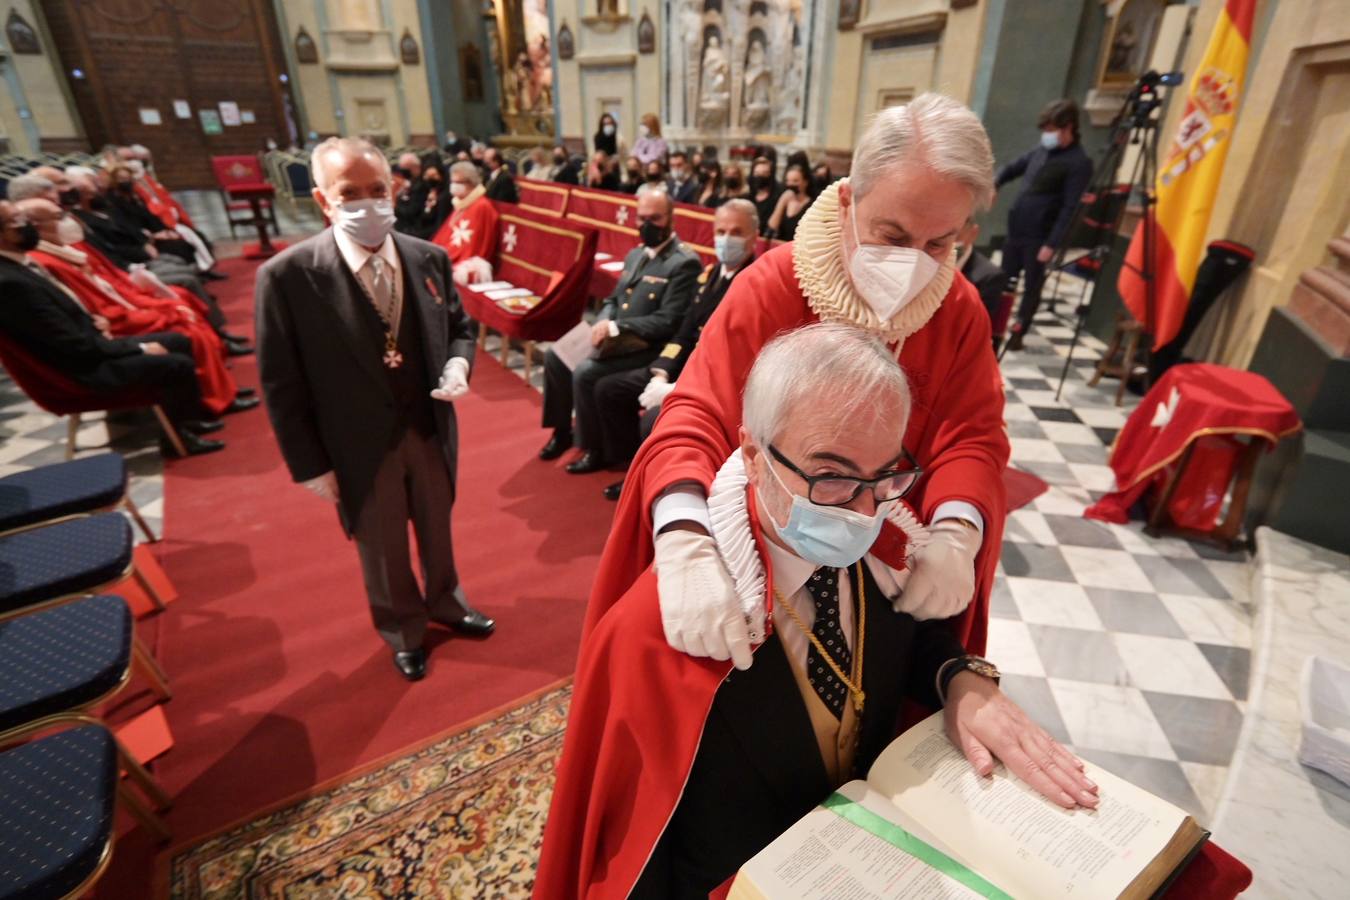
[(60, 395), (551, 257), (239, 177)]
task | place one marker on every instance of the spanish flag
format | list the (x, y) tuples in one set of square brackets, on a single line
[(1188, 178)]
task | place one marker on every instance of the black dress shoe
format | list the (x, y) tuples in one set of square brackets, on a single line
[(234, 348), (233, 338), (246, 393), (1015, 342), (473, 623), (411, 664), (589, 462), (557, 445), (212, 276), (194, 445), (240, 404), (612, 491), (208, 426)]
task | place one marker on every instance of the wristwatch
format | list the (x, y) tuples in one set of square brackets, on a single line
[(952, 667)]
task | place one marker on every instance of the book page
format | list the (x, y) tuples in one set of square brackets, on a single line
[(490, 286), (1024, 843), (826, 857), (574, 346)]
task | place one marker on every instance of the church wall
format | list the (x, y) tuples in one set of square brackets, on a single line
[(36, 113), (606, 73)]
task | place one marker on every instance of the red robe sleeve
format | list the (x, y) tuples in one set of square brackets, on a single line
[(955, 431)]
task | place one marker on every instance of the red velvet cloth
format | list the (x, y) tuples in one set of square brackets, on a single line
[(161, 202), (551, 257), (544, 197), (1188, 403), (955, 431), (150, 314)]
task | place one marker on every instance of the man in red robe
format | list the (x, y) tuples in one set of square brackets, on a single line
[(874, 251), (469, 235), (126, 311), (675, 771)]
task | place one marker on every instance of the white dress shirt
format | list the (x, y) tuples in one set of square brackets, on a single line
[(357, 259)]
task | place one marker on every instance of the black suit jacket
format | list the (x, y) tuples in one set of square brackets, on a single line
[(502, 186), (327, 393), (712, 288), (115, 238), (758, 768), (683, 192), (38, 316), (989, 280)]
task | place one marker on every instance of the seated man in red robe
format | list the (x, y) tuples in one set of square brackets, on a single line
[(663, 799), (874, 251), (470, 234), (124, 311)]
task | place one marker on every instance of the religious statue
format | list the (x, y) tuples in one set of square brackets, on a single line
[(716, 95), (520, 83), (787, 118), (757, 81)]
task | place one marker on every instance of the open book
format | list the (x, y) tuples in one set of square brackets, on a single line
[(925, 825)]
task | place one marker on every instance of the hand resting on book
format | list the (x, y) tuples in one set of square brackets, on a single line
[(984, 724)]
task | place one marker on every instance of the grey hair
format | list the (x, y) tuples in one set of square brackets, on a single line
[(824, 363), (931, 129), (81, 172), (468, 171), (741, 205), (28, 186), (648, 188), (351, 146)]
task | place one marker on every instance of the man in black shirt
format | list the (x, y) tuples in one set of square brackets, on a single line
[(1054, 175)]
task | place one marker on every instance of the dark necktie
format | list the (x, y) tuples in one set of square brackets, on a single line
[(823, 587)]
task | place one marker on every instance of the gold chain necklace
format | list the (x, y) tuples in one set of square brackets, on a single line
[(853, 684)]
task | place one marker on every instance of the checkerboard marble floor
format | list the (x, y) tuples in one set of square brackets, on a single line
[(1134, 651)]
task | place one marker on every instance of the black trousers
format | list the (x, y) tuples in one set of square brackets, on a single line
[(173, 376), (616, 398), (412, 484), (566, 391), (1019, 257)]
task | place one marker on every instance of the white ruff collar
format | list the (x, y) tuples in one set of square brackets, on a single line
[(818, 258), (468, 198), (64, 253)]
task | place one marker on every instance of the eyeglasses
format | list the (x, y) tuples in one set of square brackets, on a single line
[(840, 490)]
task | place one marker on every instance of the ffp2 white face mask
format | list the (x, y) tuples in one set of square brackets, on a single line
[(368, 222), (887, 278)]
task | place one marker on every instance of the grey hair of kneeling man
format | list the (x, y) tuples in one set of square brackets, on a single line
[(837, 367), (468, 171)]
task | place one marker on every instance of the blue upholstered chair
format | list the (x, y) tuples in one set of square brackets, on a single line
[(57, 799), (62, 490), (47, 566), (57, 665)]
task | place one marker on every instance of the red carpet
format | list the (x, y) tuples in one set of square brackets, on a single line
[(280, 680)]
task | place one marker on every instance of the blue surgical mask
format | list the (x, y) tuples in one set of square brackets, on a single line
[(828, 535), (731, 250), (1050, 139)]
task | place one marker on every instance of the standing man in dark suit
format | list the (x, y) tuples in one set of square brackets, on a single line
[(980, 270), (362, 346), (43, 319), (658, 281), (1054, 176), (500, 183), (622, 398)]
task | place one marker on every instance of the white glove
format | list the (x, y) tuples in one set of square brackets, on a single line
[(942, 582), (148, 281), (325, 486), (700, 611), (655, 391), (474, 270), (454, 381)]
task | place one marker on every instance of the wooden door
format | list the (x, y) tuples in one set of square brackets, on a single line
[(130, 62)]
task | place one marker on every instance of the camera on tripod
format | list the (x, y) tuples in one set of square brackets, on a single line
[(1143, 98)]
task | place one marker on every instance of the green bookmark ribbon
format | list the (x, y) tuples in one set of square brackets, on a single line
[(898, 837)]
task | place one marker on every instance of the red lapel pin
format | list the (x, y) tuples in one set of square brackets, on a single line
[(436, 295)]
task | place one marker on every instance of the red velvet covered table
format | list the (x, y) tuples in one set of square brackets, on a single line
[(1191, 418)]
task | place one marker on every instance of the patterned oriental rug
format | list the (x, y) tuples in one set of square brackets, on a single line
[(463, 816)]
